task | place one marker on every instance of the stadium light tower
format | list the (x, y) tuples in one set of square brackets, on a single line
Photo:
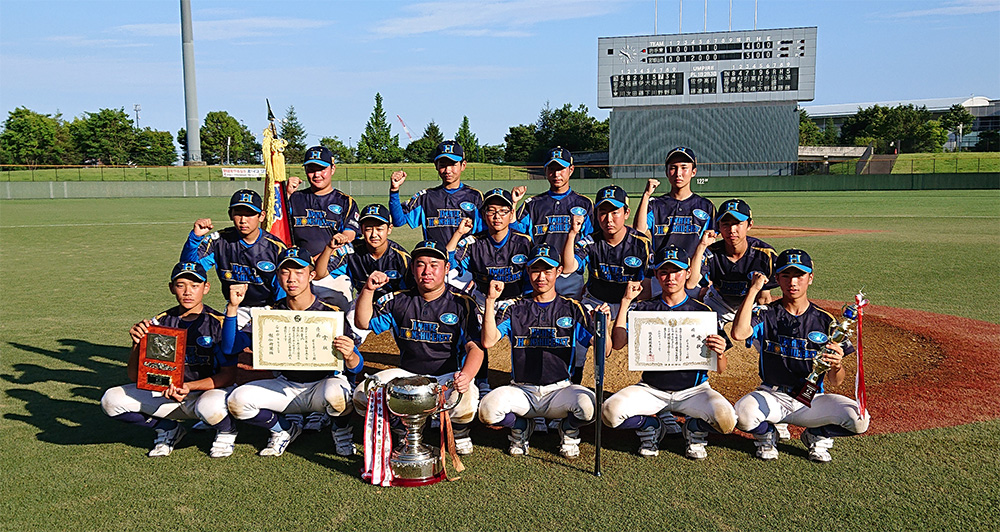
[(190, 88)]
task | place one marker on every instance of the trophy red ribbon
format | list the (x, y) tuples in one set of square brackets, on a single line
[(378, 440), (859, 378)]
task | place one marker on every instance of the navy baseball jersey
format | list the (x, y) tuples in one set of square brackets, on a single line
[(732, 279), (612, 267), (674, 222), (488, 260), (237, 262), (786, 353), (672, 381), (544, 337), (547, 217), (203, 354), (431, 335), (358, 263), (438, 211), (316, 218)]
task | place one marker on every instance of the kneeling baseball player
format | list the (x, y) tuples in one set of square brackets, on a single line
[(209, 372), (781, 333), (266, 402), (545, 330), (640, 406)]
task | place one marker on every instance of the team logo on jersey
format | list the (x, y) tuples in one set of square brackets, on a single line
[(700, 214), (447, 218), (313, 218), (392, 274), (818, 337), (336, 209), (633, 262), (425, 331), (541, 337), (449, 319), (467, 206), (265, 266), (204, 341), (565, 322), (578, 211), (519, 259)]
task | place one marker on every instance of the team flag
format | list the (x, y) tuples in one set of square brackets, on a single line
[(276, 213)]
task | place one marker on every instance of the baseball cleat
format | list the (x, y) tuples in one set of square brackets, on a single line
[(766, 445), (463, 446), (519, 439), (570, 440), (316, 421), (783, 433), (343, 440), (166, 440), (818, 446), (696, 444), (280, 440), (224, 444), (669, 423), (649, 440)]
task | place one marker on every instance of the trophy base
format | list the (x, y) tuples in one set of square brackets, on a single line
[(417, 468), (807, 394), (411, 482)]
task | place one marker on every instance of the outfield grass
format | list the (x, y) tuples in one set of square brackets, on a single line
[(946, 163), (77, 273)]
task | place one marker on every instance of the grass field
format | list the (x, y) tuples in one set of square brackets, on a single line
[(101, 265), (944, 163)]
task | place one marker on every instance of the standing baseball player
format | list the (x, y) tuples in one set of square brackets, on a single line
[(266, 403), (658, 393), (781, 332), (547, 218), (544, 330), (209, 372), (436, 329), (242, 254)]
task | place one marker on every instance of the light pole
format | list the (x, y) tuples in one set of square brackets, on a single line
[(137, 108)]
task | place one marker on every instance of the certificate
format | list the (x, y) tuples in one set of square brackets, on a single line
[(670, 341), (296, 340)]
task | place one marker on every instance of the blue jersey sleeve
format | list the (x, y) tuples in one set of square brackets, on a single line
[(199, 249), (233, 341), (504, 327), (382, 319), (412, 214), (650, 218), (361, 363), (523, 223)]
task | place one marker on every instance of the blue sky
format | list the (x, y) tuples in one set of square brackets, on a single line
[(498, 62)]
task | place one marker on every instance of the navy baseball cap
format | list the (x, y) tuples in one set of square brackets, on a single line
[(193, 270), (375, 211), (430, 248), (247, 198), (544, 253), (612, 194), (449, 149), (298, 257), (793, 258), (736, 208), (672, 255), (498, 195), (560, 156), (320, 155), (681, 152)]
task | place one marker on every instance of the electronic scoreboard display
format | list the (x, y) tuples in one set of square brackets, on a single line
[(707, 68)]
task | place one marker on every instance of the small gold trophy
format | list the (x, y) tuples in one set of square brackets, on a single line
[(839, 335)]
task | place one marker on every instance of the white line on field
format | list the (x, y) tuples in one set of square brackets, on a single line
[(89, 225)]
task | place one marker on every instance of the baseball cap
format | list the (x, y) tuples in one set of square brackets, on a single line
[(544, 253), (736, 208), (560, 156), (193, 270), (430, 248), (298, 257), (320, 155), (612, 194), (247, 198), (673, 255), (498, 195), (681, 152), (449, 149), (793, 258), (375, 211)]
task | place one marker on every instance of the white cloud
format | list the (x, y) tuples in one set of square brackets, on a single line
[(955, 7), (226, 29), (82, 42), (495, 18)]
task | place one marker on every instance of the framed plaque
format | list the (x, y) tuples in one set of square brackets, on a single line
[(161, 358), (296, 340), (669, 341)]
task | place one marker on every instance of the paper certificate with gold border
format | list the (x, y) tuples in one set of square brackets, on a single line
[(295, 340), (670, 341)]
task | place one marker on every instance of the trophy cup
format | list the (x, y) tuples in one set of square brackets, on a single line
[(413, 400), (840, 335)]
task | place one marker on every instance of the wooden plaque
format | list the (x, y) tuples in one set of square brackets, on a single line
[(161, 358)]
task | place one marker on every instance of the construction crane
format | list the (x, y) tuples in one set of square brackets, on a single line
[(406, 129)]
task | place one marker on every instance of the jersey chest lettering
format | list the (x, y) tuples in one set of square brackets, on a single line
[(789, 347), (313, 218), (554, 224), (677, 225), (541, 337), (737, 288), (425, 331), (446, 218), (239, 273), (614, 273), (505, 274)]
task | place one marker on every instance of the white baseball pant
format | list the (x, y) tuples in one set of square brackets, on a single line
[(551, 401), (330, 395), (769, 404), (208, 406), (699, 401)]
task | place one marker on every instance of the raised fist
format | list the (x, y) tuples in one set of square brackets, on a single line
[(633, 290), (376, 280), (758, 281), (518, 192), (202, 226), (465, 226), (293, 184), (577, 225), (651, 186), (708, 238), (496, 288), (396, 180), (236, 294)]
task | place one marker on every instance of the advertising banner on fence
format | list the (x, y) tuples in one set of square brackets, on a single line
[(243, 173)]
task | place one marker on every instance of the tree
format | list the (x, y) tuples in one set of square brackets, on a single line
[(988, 141), (904, 128), (468, 140), (421, 150), (573, 129), (293, 132), (182, 141), (808, 130), (377, 143), (31, 138), (107, 136), (829, 135), (154, 148), (341, 152), (433, 132), (958, 118), (250, 151), (520, 143), (493, 153), (219, 132)]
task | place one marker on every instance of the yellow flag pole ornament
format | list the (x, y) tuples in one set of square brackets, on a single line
[(275, 219)]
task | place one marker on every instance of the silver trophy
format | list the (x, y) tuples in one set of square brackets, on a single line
[(413, 400), (840, 334)]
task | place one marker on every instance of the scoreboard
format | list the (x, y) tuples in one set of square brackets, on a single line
[(707, 68)]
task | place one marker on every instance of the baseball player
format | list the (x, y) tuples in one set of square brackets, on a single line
[(321, 214), (547, 218), (242, 254), (781, 331), (374, 251), (660, 392), (435, 327), (544, 330), (209, 372), (266, 402)]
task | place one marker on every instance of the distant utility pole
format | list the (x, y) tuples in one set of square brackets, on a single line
[(137, 108), (190, 88)]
